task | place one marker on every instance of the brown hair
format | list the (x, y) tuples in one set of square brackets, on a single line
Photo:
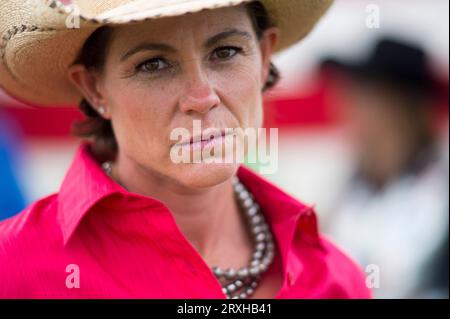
[(92, 55)]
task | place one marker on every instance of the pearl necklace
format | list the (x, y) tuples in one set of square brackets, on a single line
[(241, 283)]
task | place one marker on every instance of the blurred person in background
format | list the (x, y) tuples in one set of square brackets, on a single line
[(11, 197), (394, 212)]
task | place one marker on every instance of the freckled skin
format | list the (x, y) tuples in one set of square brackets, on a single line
[(144, 108), (150, 93)]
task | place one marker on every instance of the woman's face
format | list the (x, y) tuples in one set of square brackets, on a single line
[(162, 75)]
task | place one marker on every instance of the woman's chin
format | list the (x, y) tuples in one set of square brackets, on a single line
[(203, 175)]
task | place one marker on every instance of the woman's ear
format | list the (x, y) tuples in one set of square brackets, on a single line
[(268, 42), (88, 84)]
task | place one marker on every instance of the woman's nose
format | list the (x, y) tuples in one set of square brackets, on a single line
[(199, 95)]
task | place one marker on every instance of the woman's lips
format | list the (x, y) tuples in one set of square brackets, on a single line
[(199, 143)]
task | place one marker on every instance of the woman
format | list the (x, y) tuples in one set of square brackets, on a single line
[(129, 222)]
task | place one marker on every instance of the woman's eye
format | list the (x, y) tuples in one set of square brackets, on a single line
[(152, 65), (226, 53)]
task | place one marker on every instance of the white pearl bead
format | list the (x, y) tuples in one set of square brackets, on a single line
[(231, 288), (243, 272), (244, 195), (230, 273), (254, 263), (256, 219), (252, 211), (257, 229), (248, 203), (239, 187), (254, 271), (260, 237), (257, 254), (260, 246)]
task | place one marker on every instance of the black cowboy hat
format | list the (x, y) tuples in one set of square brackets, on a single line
[(393, 61)]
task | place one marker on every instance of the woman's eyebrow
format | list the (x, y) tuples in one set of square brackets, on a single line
[(146, 46), (226, 34)]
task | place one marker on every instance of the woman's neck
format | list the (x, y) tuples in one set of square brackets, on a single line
[(209, 218)]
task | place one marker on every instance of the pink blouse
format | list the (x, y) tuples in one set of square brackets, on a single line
[(93, 239)]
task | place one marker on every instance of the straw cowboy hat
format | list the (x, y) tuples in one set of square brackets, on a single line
[(40, 39)]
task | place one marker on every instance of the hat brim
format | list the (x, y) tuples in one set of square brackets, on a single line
[(36, 47), (354, 69)]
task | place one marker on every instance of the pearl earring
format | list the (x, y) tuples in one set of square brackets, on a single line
[(101, 110)]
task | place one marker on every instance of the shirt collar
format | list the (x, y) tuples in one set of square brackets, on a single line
[(85, 185), (289, 218)]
